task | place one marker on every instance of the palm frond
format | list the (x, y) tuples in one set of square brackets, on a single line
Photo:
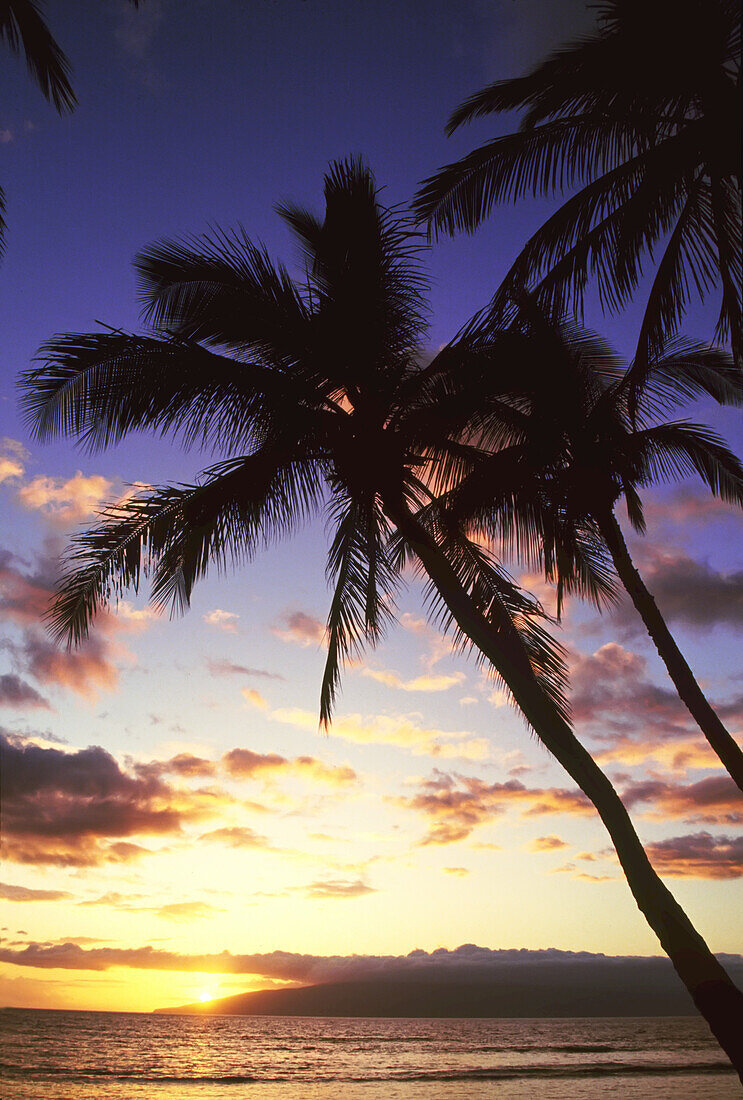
[(685, 372), (99, 387), (669, 452), (364, 581), (175, 533), (223, 290), (550, 158), (23, 30)]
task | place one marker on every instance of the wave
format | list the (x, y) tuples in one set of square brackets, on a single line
[(474, 1073)]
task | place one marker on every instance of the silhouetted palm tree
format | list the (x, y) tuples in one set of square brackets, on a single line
[(23, 30), (645, 116), (574, 435), (315, 391)]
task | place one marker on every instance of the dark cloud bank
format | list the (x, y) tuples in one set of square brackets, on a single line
[(469, 981)]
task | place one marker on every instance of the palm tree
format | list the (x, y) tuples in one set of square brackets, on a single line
[(23, 30), (574, 435), (645, 117), (314, 390)]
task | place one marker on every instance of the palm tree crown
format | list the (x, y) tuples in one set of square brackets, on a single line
[(572, 433), (314, 391), (644, 116)]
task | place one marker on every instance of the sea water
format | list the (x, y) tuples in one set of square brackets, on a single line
[(132, 1056)]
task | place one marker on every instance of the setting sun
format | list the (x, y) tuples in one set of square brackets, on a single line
[(205, 996)]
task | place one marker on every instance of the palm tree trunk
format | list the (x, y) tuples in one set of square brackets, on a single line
[(683, 678), (718, 1000)]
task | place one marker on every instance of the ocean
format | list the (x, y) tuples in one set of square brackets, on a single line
[(132, 1056)]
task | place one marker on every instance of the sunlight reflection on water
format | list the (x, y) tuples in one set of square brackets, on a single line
[(127, 1056)]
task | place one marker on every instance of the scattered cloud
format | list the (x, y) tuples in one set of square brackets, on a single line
[(236, 836), (87, 670), (222, 620), (455, 805), (246, 764), (687, 591), (687, 504), (549, 843), (229, 668), (15, 692), (13, 459), (458, 872), (65, 502), (254, 698), (427, 682), (300, 629), (634, 720), (698, 855), (714, 801), (402, 731), (187, 910), (24, 893), (338, 889), (72, 809)]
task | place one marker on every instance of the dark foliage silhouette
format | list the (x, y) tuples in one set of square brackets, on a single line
[(644, 118)]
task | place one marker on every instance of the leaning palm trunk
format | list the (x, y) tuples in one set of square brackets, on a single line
[(718, 1000), (683, 679)]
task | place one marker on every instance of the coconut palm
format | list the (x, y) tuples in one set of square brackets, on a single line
[(643, 116), (576, 434), (23, 30), (313, 393)]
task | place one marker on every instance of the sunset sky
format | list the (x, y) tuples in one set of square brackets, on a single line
[(173, 819)]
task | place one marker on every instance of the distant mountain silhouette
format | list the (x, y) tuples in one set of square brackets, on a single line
[(635, 987)]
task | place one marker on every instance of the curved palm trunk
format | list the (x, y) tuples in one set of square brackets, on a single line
[(718, 1000), (683, 678)]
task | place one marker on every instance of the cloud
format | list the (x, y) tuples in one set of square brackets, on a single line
[(427, 682), (9, 468), (636, 720), (13, 458), (687, 591), (455, 805), (512, 969), (24, 596), (23, 893), (550, 843), (338, 889), (300, 629), (184, 764), (698, 855), (402, 731), (87, 670), (714, 801), (228, 668), (222, 620), (246, 764), (236, 836), (187, 910), (15, 692), (687, 505), (459, 872), (65, 502), (72, 809), (254, 698)]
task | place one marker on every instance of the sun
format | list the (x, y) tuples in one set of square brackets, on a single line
[(206, 996)]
